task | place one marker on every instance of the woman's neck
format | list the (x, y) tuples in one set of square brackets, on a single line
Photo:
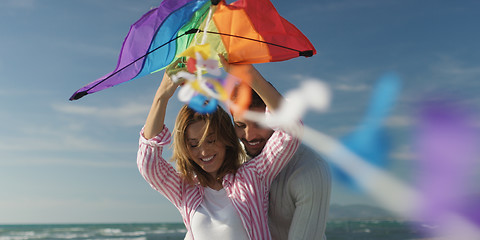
[(215, 184)]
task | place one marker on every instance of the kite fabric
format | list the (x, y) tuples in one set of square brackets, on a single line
[(245, 32), (370, 140)]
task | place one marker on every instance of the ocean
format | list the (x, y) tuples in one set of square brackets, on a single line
[(336, 230)]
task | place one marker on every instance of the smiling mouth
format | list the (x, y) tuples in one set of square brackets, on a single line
[(207, 159), (253, 143)]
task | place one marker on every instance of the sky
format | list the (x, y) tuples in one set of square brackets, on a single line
[(75, 162)]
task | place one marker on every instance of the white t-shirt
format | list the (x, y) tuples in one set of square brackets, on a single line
[(216, 218)]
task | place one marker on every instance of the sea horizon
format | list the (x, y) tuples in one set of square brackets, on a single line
[(337, 229)]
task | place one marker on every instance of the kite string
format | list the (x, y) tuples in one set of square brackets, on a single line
[(207, 23), (80, 94), (306, 53), (204, 37), (198, 55)]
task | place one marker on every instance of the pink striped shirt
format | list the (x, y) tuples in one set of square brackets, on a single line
[(248, 188)]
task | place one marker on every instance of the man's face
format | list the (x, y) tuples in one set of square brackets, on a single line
[(253, 136)]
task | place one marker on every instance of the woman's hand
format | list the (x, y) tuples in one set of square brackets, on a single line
[(166, 89), (167, 86), (177, 66)]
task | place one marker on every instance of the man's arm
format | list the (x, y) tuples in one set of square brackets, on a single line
[(310, 188), (270, 96)]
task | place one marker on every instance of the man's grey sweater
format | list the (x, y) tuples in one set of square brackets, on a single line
[(300, 198)]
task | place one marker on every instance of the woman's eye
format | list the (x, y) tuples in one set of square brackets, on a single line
[(239, 125)]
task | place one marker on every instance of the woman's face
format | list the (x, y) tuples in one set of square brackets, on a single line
[(210, 154)]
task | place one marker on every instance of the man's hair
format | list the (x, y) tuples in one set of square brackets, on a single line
[(255, 101), (218, 122)]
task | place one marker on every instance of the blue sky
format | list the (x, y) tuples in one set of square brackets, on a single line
[(64, 161)]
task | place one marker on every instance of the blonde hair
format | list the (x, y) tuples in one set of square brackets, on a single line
[(220, 124)]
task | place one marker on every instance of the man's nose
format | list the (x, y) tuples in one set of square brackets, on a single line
[(250, 133)]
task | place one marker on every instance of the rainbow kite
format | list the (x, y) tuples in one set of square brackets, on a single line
[(245, 31)]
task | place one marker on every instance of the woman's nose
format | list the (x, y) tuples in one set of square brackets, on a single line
[(204, 149)]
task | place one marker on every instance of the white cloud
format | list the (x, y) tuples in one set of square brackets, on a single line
[(91, 50), (354, 76), (348, 82), (35, 134), (353, 81), (129, 114), (67, 161), (453, 76), (452, 67), (351, 87), (55, 140)]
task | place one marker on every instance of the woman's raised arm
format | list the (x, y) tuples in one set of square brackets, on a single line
[(156, 117)]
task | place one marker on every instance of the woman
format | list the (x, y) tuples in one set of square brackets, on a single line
[(215, 195)]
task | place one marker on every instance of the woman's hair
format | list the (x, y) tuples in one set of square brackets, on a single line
[(220, 124)]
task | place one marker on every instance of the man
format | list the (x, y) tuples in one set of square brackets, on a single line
[(300, 194)]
